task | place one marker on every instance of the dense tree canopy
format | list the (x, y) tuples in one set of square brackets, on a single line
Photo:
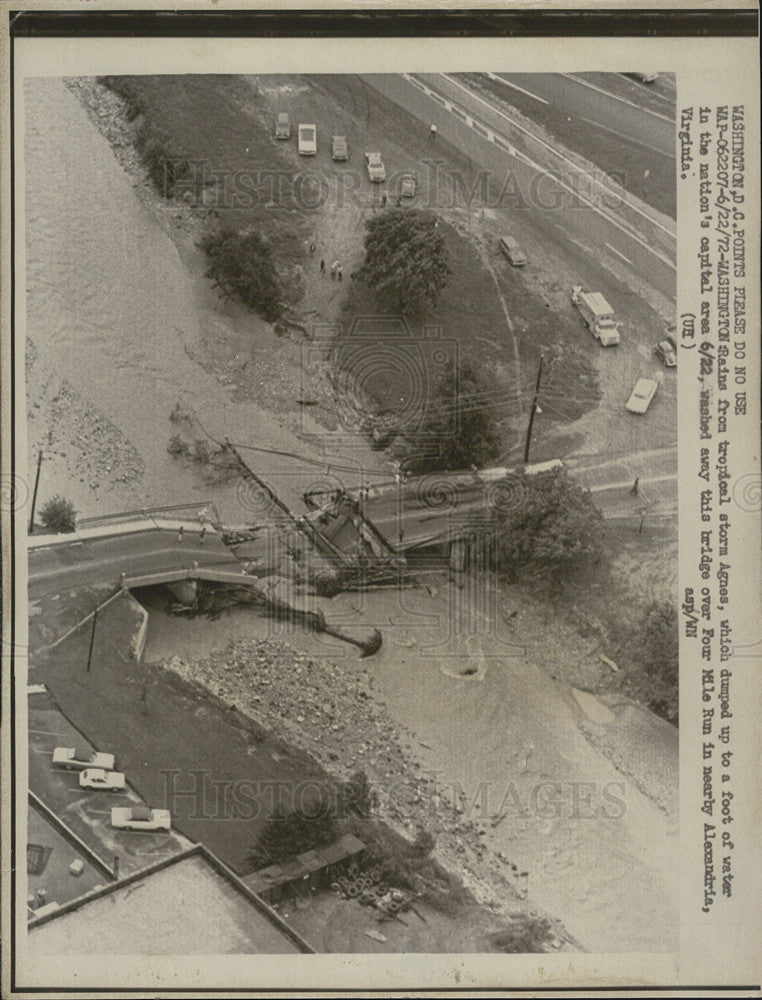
[(550, 527), (241, 266), (405, 258), (458, 428)]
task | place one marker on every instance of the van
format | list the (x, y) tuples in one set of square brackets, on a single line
[(510, 249)]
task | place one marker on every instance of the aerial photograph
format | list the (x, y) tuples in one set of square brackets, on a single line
[(351, 431)]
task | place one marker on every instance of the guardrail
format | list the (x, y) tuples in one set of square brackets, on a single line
[(203, 510)]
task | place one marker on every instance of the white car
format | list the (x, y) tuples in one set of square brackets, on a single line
[(75, 760), (107, 781), (140, 818), (307, 144), (376, 169), (642, 394)]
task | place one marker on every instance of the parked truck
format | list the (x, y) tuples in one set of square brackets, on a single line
[(598, 315)]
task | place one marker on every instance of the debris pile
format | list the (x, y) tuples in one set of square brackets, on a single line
[(368, 888)]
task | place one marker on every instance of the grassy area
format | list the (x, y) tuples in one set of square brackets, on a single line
[(470, 322), (207, 140)]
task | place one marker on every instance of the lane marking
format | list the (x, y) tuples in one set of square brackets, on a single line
[(44, 732), (507, 83), (576, 170), (616, 97), (629, 138), (614, 250)]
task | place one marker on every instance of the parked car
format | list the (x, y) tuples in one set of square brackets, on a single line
[(510, 249), (105, 781), (339, 148), (77, 760), (140, 818), (642, 394), (307, 144), (408, 187), (282, 126), (645, 77), (665, 352), (376, 169)]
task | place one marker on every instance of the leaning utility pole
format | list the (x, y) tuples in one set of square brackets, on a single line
[(34, 494), (533, 411)]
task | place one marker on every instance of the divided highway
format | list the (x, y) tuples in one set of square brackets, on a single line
[(554, 203)]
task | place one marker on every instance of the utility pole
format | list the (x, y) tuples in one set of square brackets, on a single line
[(34, 494), (533, 411), (92, 640)]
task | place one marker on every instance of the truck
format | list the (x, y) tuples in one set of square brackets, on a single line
[(598, 315)]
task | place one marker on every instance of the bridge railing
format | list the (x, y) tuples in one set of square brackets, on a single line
[(202, 510)]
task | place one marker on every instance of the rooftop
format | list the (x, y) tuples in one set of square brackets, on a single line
[(188, 905)]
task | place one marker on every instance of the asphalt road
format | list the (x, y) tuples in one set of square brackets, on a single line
[(93, 562), (552, 205), (600, 106)]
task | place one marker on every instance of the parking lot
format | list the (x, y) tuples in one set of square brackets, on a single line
[(87, 812)]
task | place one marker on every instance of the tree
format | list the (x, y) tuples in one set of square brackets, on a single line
[(58, 514), (241, 266), (549, 527), (303, 826), (405, 258), (458, 427), (656, 654)]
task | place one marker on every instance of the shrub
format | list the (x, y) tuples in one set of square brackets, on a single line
[(525, 936), (177, 446), (656, 656), (241, 267), (424, 843), (58, 514)]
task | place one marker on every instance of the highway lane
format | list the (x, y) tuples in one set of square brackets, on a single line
[(588, 100), (553, 206)]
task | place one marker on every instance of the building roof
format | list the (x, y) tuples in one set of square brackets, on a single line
[(190, 904)]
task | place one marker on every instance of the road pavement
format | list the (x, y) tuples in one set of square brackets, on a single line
[(94, 562), (600, 106)]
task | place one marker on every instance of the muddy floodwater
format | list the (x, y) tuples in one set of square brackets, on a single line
[(114, 310)]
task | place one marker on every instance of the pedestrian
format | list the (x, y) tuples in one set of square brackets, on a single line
[(635, 485), (383, 201), (313, 248), (334, 267), (399, 200), (180, 533), (339, 272), (433, 132), (322, 265), (203, 532)]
